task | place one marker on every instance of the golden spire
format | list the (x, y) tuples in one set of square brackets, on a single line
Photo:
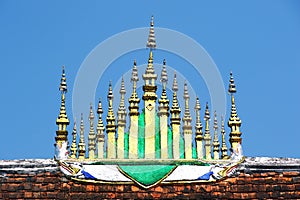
[(234, 121), (110, 97), (163, 113), (92, 136), (198, 127), (151, 39), (133, 113), (175, 120), (111, 125), (121, 122), (164, 75), (122, 109), (149, 76), (207, 137), (149, 98), (100, 131), (81, 144), (164, 101), (134, 99), (100, 125), (216, 142), (74, 142), (187, 127), (175, 110), (224, 154), (187, 119), (62, 120)]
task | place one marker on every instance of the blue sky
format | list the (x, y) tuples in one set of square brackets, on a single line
[(258, 40)]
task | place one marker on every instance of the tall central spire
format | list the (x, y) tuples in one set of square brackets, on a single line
[(150, 76), (149, 98)]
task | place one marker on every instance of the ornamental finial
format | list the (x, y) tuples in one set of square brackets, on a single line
[(91, 112), (151, 43), (63, 81), (207, 114), (215, 121), (232, 88), (134, 74), (164, 75), (197, 106), (122, 89), (122, 110), (110, 95), (175, 84), (100, 109), (186, 93)]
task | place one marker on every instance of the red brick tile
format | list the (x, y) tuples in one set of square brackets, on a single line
[(291, 173), (156, 195), (134, 188), (90, 188), (28, 195)]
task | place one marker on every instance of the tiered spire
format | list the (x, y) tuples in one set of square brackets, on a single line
[(224, 154), (175, 106), (164, 75), (234, 121), (216, 142), (198, 128), (164, 101), (92, 136), (149, 98), (149, 76), (134, 113), (187, 116), (151, 39), (175, 120), (100, 131), (81, 144), (122, 109), (62, 120), (134, 100), (207, 137), (121, 121), (111, 125), (187, 127), (164, 114), (74, 142)]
